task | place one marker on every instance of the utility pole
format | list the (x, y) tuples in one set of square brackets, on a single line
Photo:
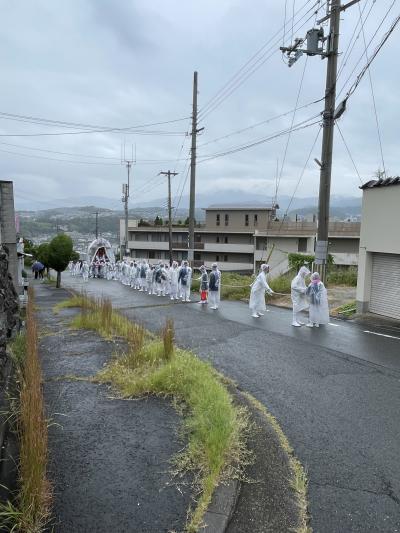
[(97, 224), (321, 250), (192, 200), (169, 174), (326, 47), (125, 201)]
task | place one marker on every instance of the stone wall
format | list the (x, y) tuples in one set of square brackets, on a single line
[(9, 309)]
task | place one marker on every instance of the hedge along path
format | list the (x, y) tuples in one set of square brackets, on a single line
[(215, 427)]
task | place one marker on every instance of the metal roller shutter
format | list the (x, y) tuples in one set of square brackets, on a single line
[(385, 286)]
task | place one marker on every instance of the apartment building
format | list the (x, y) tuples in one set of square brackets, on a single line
[(240, 237)]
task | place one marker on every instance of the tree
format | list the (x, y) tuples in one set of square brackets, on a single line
[(158, 221), (42, 254), (60, 252), (29, 248), (74, 256)]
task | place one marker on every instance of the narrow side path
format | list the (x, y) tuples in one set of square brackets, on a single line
[(109, 459)]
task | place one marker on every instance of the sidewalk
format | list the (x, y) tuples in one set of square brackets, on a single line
[(109, 459)]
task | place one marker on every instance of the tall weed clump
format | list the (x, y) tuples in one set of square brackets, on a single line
[(30, 511), (168, 337)]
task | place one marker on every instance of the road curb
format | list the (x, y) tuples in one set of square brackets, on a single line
[(221, 508), (226, 498)]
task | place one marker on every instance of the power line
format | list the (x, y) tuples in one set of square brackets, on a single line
[(257, 124), (291, 126), (50, 122), (300, 178), (300, 126), (243, 67), (139, 162), (349, 153), (57, 159), (352, 42), (82, 132), (373, 55), (253, 64), (246, 75), (373, 96)]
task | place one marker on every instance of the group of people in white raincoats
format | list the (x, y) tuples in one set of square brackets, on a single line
[(313, 297), (174, 281)]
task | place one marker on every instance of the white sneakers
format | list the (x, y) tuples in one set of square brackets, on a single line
[(255, 316), (296, 324), (311, 325)]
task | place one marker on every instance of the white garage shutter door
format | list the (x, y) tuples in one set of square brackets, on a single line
[(385, 289)]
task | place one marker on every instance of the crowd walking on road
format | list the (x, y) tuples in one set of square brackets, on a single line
[(175, 281)]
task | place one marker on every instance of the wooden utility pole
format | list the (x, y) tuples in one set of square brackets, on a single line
[(316, 46), (321, 251), (97, 224), (125, 201), (193, 172), (169, 174)]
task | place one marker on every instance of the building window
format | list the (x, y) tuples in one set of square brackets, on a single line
[(197, 256), (218, 219), (152, 254), (217, 257), (217, 239), (302, 247), (226, 219), (226, 240), (255, 220), (246, 220), (225, 258)]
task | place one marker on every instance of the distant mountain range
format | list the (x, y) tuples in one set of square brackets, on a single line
[(202, 201)]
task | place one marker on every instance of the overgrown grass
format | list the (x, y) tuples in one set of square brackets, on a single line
[(29, 512), (237, 286), (214, 427), (338, 275)]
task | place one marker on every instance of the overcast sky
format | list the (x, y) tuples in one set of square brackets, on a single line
[(122, 63)]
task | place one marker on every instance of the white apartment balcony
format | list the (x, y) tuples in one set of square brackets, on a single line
[(147, 245), (227, 266), (219, 247)]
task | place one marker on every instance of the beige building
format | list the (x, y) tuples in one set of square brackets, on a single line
[(239, 238), (378, 285)]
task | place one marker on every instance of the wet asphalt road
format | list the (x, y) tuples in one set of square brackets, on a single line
[(335, 392)]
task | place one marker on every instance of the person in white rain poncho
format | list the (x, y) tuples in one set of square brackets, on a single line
[(214, 289), (257, 294), (149, 279), (173, 279), (298, 293), (185, 280), (85, 271), (318, 298)]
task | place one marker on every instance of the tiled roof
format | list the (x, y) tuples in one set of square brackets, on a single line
[(381, 183)]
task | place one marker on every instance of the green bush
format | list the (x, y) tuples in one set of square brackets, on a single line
[(297, 260), (341, 275), (282, 283)]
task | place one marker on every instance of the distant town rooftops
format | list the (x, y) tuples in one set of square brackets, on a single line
[(372, 184), (240, 207)]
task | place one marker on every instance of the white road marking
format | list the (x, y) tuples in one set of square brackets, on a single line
[(381, 334)]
